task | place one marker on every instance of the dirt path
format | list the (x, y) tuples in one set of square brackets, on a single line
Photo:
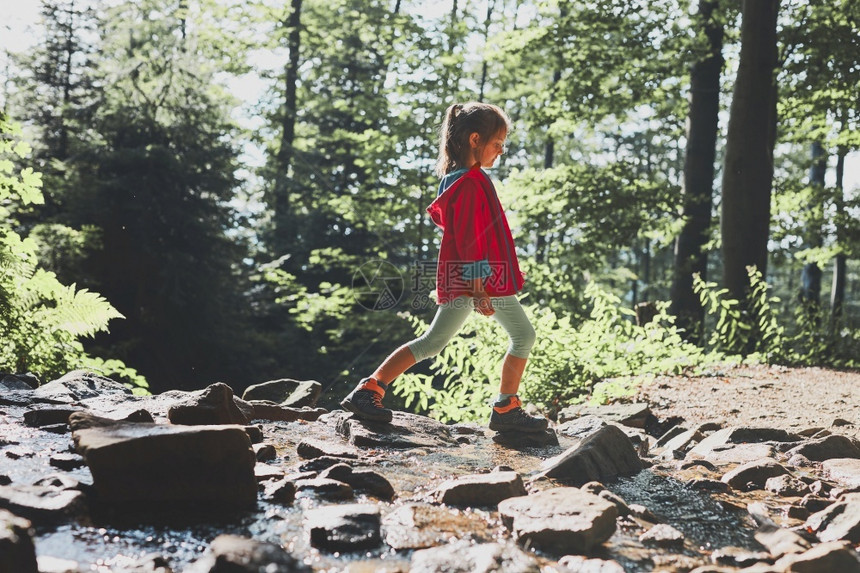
[(772, 396)]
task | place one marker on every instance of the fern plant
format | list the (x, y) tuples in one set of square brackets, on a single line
[(42, 320)]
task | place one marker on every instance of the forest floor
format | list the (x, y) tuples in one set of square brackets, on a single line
[(760, 396)]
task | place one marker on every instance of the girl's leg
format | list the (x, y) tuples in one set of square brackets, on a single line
[(396, 364)]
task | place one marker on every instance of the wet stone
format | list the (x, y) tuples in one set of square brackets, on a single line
[(663, 535), (363, 480), (321, 463), (753, 474), (326, 488), (234, 554), (464, 557), (17, 552), (264, 472), (282, 491), (309, 449), (349, 527), (634, 415), (56, 428), (213, 405), (420, 525), (606, 453), (839, 521), (786, 486), (406, 431), (40, 504), (480, 489), (13, 382), (264, 452), (824, 558), (834, 446), (211, 466), (48, 416), (707, 484), (255, 433), (846, 471), (815, 503), (286, 392), (779, 541), (5, 480), (561, 520), (67, 462), (518, 440), (580, 564)]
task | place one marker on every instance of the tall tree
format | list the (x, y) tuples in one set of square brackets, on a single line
[(748, 170), (699, 160)]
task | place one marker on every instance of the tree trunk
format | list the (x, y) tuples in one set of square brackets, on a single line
[(698, 183), (748, 172), (490, 6), (837, 290), (281, 197), (810, 276)]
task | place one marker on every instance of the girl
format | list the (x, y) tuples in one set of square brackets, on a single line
[(477, 268)]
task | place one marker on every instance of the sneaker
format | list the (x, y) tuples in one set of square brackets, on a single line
[(508, 415), (366, 401)]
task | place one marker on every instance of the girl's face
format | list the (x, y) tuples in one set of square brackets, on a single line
[(486, 153)]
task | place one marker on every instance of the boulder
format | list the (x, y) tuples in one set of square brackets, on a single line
[(634, 415), (350, 527), (480, 489), (786, 486), (363, 480), (17, 553), (846, 471), (286, 392), (606, 453), (79, 385), (234, 554), (420, 525), (561, 520), (754, 474), (780, 541), (214, 404), (829, 447), (164, 464), (464, 557), (405, 431), (11, 382), (839, 521), (824, 558), (42, 504)]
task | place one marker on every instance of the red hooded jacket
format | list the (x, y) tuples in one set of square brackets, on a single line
[(476, 240)]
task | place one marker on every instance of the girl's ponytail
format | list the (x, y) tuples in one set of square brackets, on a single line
[(462, 120)]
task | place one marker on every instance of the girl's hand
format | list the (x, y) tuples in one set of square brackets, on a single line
[(483, 304)]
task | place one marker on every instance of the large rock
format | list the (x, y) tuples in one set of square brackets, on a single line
[(829, 447), (420, 525), (839, 521), (210, 466), (480, 489), (234, 554), (634, 415), (755, 473), (364, 480), (824, 558), (344, 527), (17, 553), (464, 557), (214, 404), (12, 382), (286, 392), (846, 471), (606, 453), (562, 520), (79, 385), (405, 431), (42, 504)]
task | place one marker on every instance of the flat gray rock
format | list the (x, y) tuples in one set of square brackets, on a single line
[(829, 447), (480, 489), (349, 527), (634, 415), (420, 525), (581, 427), (310, 448), (79, 385), (464, 557), (210, 466), (405, 431), (606, 453), (42, 504), (728, 454), (755, 473), (17, 553), (234, 554), (286, 392), (846, 471), (561, 520)]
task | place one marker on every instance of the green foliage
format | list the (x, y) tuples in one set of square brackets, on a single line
[(566, 363), (42, 320)]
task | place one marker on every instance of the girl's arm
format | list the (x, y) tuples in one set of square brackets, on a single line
[(482, 299)]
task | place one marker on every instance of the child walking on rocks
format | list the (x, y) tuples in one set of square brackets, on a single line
[(477, 268)]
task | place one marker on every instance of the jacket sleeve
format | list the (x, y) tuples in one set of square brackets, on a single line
[(471, 227)]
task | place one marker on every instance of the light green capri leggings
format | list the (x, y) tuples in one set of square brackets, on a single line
[(451, 315)]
